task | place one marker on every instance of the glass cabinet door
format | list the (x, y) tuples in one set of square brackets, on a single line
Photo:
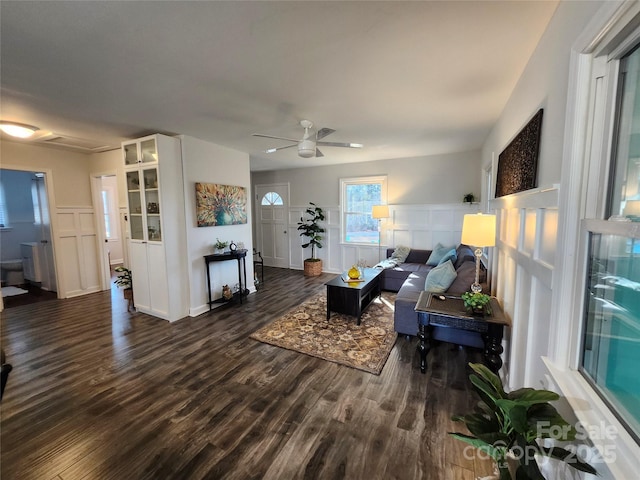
[(152, 199), (148, 151), (131, 154), (135, 205)]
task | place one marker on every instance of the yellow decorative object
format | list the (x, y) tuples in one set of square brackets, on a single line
[(354, 272)]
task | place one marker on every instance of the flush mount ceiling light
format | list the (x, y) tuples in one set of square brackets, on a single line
[(19, 130)]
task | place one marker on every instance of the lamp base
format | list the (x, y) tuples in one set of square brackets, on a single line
[(475, 286)]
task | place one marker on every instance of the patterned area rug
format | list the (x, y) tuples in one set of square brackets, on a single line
[(306, 329)]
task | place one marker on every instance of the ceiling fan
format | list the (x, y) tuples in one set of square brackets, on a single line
[(308, 144)]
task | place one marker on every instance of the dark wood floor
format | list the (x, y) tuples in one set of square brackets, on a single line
[(34, 294), (101, 393)]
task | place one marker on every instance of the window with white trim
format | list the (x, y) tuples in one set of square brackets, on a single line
[(357, 198), (610, 339)]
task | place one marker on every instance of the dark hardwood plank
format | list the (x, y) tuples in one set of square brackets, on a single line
[(101, 392)]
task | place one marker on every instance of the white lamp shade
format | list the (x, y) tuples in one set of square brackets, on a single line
[(380, 211), (479, 230)]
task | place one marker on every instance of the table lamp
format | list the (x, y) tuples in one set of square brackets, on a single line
[(379, 212), (478, 230)]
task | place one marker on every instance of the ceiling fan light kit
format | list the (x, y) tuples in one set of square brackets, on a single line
[(308, 145)]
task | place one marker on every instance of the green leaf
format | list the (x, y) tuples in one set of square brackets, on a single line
[(485, 388), (560, 453), (516, 413), (489, 377), (481, 445), (531, 396)]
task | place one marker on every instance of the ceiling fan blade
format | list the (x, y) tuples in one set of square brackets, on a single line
[(319, 153), (340, 144), (277, 138), (273, 150), (323, 132)]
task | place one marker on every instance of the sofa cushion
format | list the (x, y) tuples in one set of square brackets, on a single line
[(450, 255), (400, 253), (438, 252), (466, 276), (440, 278), (465, 254)]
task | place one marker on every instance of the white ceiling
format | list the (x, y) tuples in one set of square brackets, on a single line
[(405, 79)]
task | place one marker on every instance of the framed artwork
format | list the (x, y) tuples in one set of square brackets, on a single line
[(218, 205), (518, 163)]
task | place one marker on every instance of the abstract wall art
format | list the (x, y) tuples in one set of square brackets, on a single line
[(218, 205), (518, 163)]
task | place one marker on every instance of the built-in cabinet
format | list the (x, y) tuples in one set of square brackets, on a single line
[(157, 228)]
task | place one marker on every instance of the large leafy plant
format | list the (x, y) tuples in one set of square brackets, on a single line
[(309, 227), (513, 422)]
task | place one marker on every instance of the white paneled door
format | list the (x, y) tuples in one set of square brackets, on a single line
[(272, 203)]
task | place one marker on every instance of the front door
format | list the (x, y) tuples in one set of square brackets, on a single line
[(272, 224)]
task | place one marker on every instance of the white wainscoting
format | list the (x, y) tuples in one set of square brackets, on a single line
[(417, 226), (522, 274), (76, 251)]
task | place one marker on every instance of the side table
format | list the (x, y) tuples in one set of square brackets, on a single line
[(450, 313), (238, 255)]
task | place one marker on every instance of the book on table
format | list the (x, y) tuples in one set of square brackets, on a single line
[(346, 279)]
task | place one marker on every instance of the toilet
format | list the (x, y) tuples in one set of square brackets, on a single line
[(11, 272)]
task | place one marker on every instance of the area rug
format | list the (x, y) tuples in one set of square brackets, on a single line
[(305, 329), (12, 291)]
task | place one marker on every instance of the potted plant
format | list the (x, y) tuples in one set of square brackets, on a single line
[(507, 426), (124, 280), (477, 303), (310, 228), (219, 246)]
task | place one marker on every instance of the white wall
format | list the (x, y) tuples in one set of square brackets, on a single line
[(415, 187), (206, 162), (418, 180), (526, 256), (523, 218)]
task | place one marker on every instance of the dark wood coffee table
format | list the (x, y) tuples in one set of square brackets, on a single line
[(353, 297), (448, 311)]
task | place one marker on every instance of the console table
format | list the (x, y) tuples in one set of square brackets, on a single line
[(238, 255), (448, 311)]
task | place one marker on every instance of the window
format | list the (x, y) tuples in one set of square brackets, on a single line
[(4, 219), (272, 198), (610, 343), (358, 196), (625, 192), (611, 338)]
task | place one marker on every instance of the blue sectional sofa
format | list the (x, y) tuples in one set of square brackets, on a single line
[(408, 279)]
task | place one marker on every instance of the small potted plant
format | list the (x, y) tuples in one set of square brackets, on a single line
[(310, 228), (477, 303), (507, 427), (219, 246), (124, 280)]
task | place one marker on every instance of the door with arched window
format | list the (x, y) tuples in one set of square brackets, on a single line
[(272, 236)]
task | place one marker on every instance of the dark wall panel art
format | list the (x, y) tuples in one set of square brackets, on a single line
[(518, 163)]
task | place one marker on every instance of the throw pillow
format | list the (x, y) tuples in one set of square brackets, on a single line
[(401, 253), (440, 278), (437, 253), (450, 255)]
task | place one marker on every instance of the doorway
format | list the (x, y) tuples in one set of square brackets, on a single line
[(272, 202), (112, 241), (26, 244)]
